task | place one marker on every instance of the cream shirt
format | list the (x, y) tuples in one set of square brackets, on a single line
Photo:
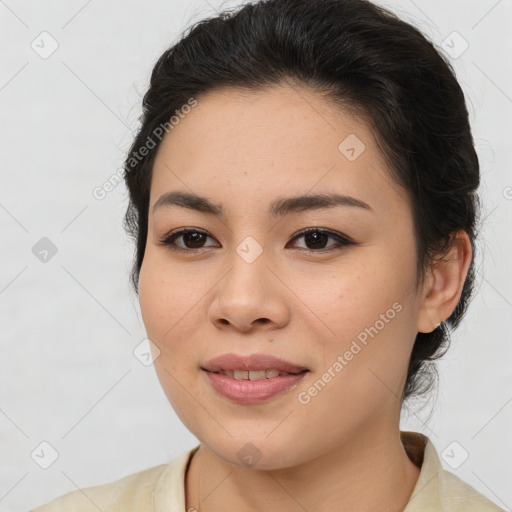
[(162, 488)]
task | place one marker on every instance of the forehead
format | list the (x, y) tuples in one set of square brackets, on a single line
[(244, 145)]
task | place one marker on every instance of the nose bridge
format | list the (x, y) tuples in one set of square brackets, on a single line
[(249, 250), (249, 291), (248, 269)]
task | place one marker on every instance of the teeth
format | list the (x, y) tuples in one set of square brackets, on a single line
[(252, 374), (240, 374), (257, 375)]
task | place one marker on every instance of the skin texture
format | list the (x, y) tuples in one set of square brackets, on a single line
[(341, 450)]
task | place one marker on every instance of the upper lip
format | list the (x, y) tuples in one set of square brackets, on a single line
[(251, 362)]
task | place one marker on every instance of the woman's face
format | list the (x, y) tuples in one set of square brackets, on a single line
[(247, 284)]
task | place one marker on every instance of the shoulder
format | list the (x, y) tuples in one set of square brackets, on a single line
[(131, 492), (458, 495), (437, 488), (159, 488)]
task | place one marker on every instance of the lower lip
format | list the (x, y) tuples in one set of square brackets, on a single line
[(252, 391)]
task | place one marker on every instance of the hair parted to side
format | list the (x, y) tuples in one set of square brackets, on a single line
[(362, 58)]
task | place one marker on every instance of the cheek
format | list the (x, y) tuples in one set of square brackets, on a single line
[(167, 307), (370, 309), (353, 295), (167, 296), (152, 300)]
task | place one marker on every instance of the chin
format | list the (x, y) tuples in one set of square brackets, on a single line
[(253, 452)]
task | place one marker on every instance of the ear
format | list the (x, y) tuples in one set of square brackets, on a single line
[(444, 283)]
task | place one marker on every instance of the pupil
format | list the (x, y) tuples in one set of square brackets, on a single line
[(193, 238), (316, 238)]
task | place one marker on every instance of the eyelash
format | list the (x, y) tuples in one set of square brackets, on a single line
[(341, 240)]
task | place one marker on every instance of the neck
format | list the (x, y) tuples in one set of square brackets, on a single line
[(370, 473)]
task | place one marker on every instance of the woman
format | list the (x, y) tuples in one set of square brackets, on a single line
[(302, 198)]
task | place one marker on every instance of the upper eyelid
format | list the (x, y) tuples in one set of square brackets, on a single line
[(327, 231)]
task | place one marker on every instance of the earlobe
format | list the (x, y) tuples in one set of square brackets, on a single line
[(426, 315), (444, 283)]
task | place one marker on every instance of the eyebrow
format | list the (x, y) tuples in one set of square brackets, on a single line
[(278, 208)]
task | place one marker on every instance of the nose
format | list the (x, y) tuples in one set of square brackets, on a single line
[(250, 296)]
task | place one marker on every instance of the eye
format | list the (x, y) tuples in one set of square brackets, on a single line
[(317, 238), (192, 238), (314, 238)]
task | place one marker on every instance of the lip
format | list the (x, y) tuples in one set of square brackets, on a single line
[(252, 391), (247, 391), (252, 362)]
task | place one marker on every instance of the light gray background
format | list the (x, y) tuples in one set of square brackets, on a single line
[(69, 326)]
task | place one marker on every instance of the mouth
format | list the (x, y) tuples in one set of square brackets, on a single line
[(253, 375), (252, 379), (251, 366)]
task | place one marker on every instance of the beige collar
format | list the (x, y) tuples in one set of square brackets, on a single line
[(435, 490)]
